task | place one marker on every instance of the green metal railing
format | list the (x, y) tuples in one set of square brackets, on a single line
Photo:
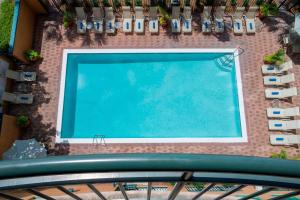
[(30, 175)]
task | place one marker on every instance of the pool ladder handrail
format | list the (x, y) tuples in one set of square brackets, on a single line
[(101, 137)]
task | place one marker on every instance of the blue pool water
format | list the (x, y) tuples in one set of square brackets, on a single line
[(166, 95)]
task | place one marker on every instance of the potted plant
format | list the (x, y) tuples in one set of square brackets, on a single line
[(117, 4), (68, 19), (32, 55), (233, 3), (106, 3), (267, 9), (277, 58), (127, 2), (138, 2), (246, 3), (23, 121)]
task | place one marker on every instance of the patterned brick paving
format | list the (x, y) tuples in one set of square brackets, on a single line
[(52, 38)]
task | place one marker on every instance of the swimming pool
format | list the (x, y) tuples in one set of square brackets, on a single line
[(150, 95)]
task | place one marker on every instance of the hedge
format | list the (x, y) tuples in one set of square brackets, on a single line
[(6, 17)]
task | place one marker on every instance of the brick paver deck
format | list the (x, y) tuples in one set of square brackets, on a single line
[(52, 38)]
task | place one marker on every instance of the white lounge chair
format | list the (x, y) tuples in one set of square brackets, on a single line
[(280, 139), (98, 15), (206, 19), (80, 20), (273, 93), (279, 80), (219, 21), (187, 20), (127, 19), (238, 21), (250, 20), (139, 20), (175, 21), (282, 125), (273, 69), (109, 20), (283, 112), (153, 20), (17, 98), (20, 75)]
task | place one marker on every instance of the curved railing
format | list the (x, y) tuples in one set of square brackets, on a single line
[(178, 168)]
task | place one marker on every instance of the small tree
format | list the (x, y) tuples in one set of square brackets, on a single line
[(281, 155)]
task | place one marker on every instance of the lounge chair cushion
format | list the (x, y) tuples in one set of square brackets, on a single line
[(153, 26), (250, 26)]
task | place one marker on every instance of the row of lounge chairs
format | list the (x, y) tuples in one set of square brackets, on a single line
[(180, 21), (20, 76), (280, 118)]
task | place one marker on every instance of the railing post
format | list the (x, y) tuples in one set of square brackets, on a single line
[(63, 189), (37, 193), (179, 185), (204, 191), (235, 189), (285, 196), (122, 189), (258, 193), (149, 190), (97, 192)]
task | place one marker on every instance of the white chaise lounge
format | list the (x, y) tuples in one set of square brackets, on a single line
[(175, 21), (284, 125), (98, 15), (206, 19), (20, 75), (187, 20), (280, 139), (279, 80), (250, 20), (283, 112), (127, 19), (237, 21), (109, 20), (219, 21), (273, 93), (273, 69), (80, 20), (139, 20), (153, 20), (17, 98)]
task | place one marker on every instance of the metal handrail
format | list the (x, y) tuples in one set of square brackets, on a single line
[(149, 162)]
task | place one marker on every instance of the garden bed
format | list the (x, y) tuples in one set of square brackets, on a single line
[(6, 18)]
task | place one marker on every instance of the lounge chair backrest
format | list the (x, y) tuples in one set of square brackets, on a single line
[(206, 12), (287, 65), (12, 74), (98, 13), (153, 13), (139, 13), (109, 13), (80, 13), (126, 12), (6, 96), (175, 12), (288, 78), (239, 12), (251, 14), (187, 12), (289, 92), (219, 13)]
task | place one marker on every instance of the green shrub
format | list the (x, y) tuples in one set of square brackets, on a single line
[(128, 2), (267, 9), (233, 2), (95, 3), (68, 19), (105, 3), (138, 2), (281, 155), (32, 55), (276, 58), (210, 2), (259, 2), (246, 3), (117, 3), (6, 18), (23, 121)]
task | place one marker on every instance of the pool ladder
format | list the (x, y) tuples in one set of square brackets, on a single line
[(99, 139)]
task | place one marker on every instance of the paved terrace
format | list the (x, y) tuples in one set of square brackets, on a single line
[(52, 38)]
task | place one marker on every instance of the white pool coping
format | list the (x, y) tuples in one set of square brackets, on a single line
[(242, 139)]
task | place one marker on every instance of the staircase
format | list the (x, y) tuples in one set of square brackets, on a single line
[(225, 62)]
